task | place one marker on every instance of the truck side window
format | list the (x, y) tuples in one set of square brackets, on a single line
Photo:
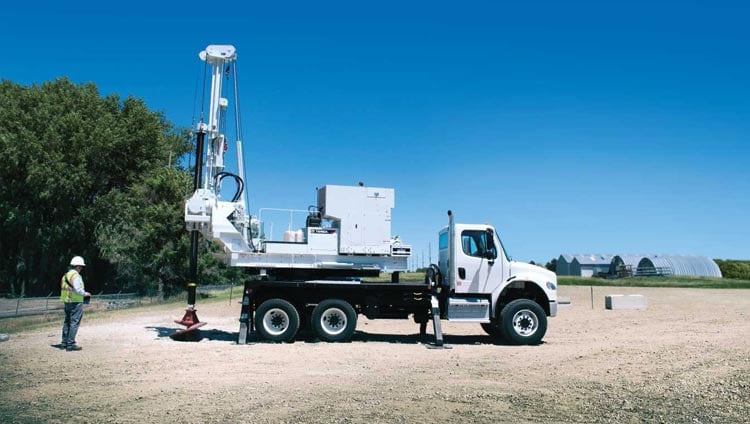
[(474, 243)]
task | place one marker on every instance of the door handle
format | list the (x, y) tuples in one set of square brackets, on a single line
[(461, 273)]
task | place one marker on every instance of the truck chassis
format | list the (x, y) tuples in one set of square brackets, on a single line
[(278, 309)]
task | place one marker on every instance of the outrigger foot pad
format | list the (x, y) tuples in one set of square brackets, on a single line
[(191, 333)]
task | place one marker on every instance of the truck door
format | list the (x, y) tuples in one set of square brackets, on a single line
[(477, 267)]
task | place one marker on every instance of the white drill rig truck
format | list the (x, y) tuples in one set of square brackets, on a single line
[(315, 277)]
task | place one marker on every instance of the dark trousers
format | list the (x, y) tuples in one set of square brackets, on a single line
[(73, 316)]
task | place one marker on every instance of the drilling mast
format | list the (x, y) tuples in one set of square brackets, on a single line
[(210, 136)]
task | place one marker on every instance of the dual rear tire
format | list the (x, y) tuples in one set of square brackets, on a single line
[(277, 320), (332, 320)]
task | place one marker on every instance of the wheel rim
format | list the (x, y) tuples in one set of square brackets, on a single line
[(333, 321), (525, 322), (275, 321)]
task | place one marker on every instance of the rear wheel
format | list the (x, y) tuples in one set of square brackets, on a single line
[(523, 321), (334, 320), (277, 320)]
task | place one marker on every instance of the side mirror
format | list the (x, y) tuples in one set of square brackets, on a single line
[(491, 252)]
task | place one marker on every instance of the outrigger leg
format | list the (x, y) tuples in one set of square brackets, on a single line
[(436, 326)]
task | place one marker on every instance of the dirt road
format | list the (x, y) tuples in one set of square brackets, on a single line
[(685, 359)]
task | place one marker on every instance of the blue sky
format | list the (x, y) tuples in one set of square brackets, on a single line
[(573, 127)]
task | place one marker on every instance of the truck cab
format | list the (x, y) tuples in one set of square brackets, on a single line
[(477, 282)]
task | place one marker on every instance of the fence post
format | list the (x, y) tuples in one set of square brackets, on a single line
[(18, 304), (230, 293), (46, 304)]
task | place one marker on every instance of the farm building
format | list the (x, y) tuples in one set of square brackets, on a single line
[(589, 265), (624, 265), (638, 265), (563, 264), (694, 266)]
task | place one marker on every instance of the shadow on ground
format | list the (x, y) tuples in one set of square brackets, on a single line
[(198, 335), (361, 336), (358, 337)]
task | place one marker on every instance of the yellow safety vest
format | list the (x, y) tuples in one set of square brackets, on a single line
[(67, 294)]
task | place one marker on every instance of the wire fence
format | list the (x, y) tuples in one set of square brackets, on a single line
[(50, 304)]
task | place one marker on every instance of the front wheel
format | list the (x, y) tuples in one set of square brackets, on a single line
[(277, 320), (334, 320), (523, 322)]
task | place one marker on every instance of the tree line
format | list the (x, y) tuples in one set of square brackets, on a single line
[(99, 177), (734, 269)]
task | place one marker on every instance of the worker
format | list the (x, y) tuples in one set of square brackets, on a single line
[(72, 293)]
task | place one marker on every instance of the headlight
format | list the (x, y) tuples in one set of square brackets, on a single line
[(551, 285)]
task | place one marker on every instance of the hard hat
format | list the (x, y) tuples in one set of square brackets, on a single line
[(77, 261)]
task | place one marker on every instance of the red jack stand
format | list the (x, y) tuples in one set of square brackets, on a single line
[(191, 321)]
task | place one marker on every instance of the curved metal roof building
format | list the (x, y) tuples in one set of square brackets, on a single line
[(696, 266), (639, 265), (628, 261)]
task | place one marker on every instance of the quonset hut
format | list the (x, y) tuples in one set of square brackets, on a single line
[(638, 265), (694, 266), (624, 265)]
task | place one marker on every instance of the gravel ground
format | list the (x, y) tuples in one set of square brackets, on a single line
[(683, 360)]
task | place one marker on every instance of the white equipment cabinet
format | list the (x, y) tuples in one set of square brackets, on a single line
[(362, 215)]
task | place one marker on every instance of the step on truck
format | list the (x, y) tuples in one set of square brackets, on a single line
[(316, 276)]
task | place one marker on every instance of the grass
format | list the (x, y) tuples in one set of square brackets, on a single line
[(682, 282), (27, 323)]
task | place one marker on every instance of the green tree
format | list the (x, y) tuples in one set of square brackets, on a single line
[(93, 176), (139, 232), (551, 265), (734, 269)]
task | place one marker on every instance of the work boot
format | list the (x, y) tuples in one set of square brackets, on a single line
[(74, 347)]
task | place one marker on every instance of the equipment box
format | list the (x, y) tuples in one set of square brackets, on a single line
[(363, 214)]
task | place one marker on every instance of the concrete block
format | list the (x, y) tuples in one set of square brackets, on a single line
[(621, 301)]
